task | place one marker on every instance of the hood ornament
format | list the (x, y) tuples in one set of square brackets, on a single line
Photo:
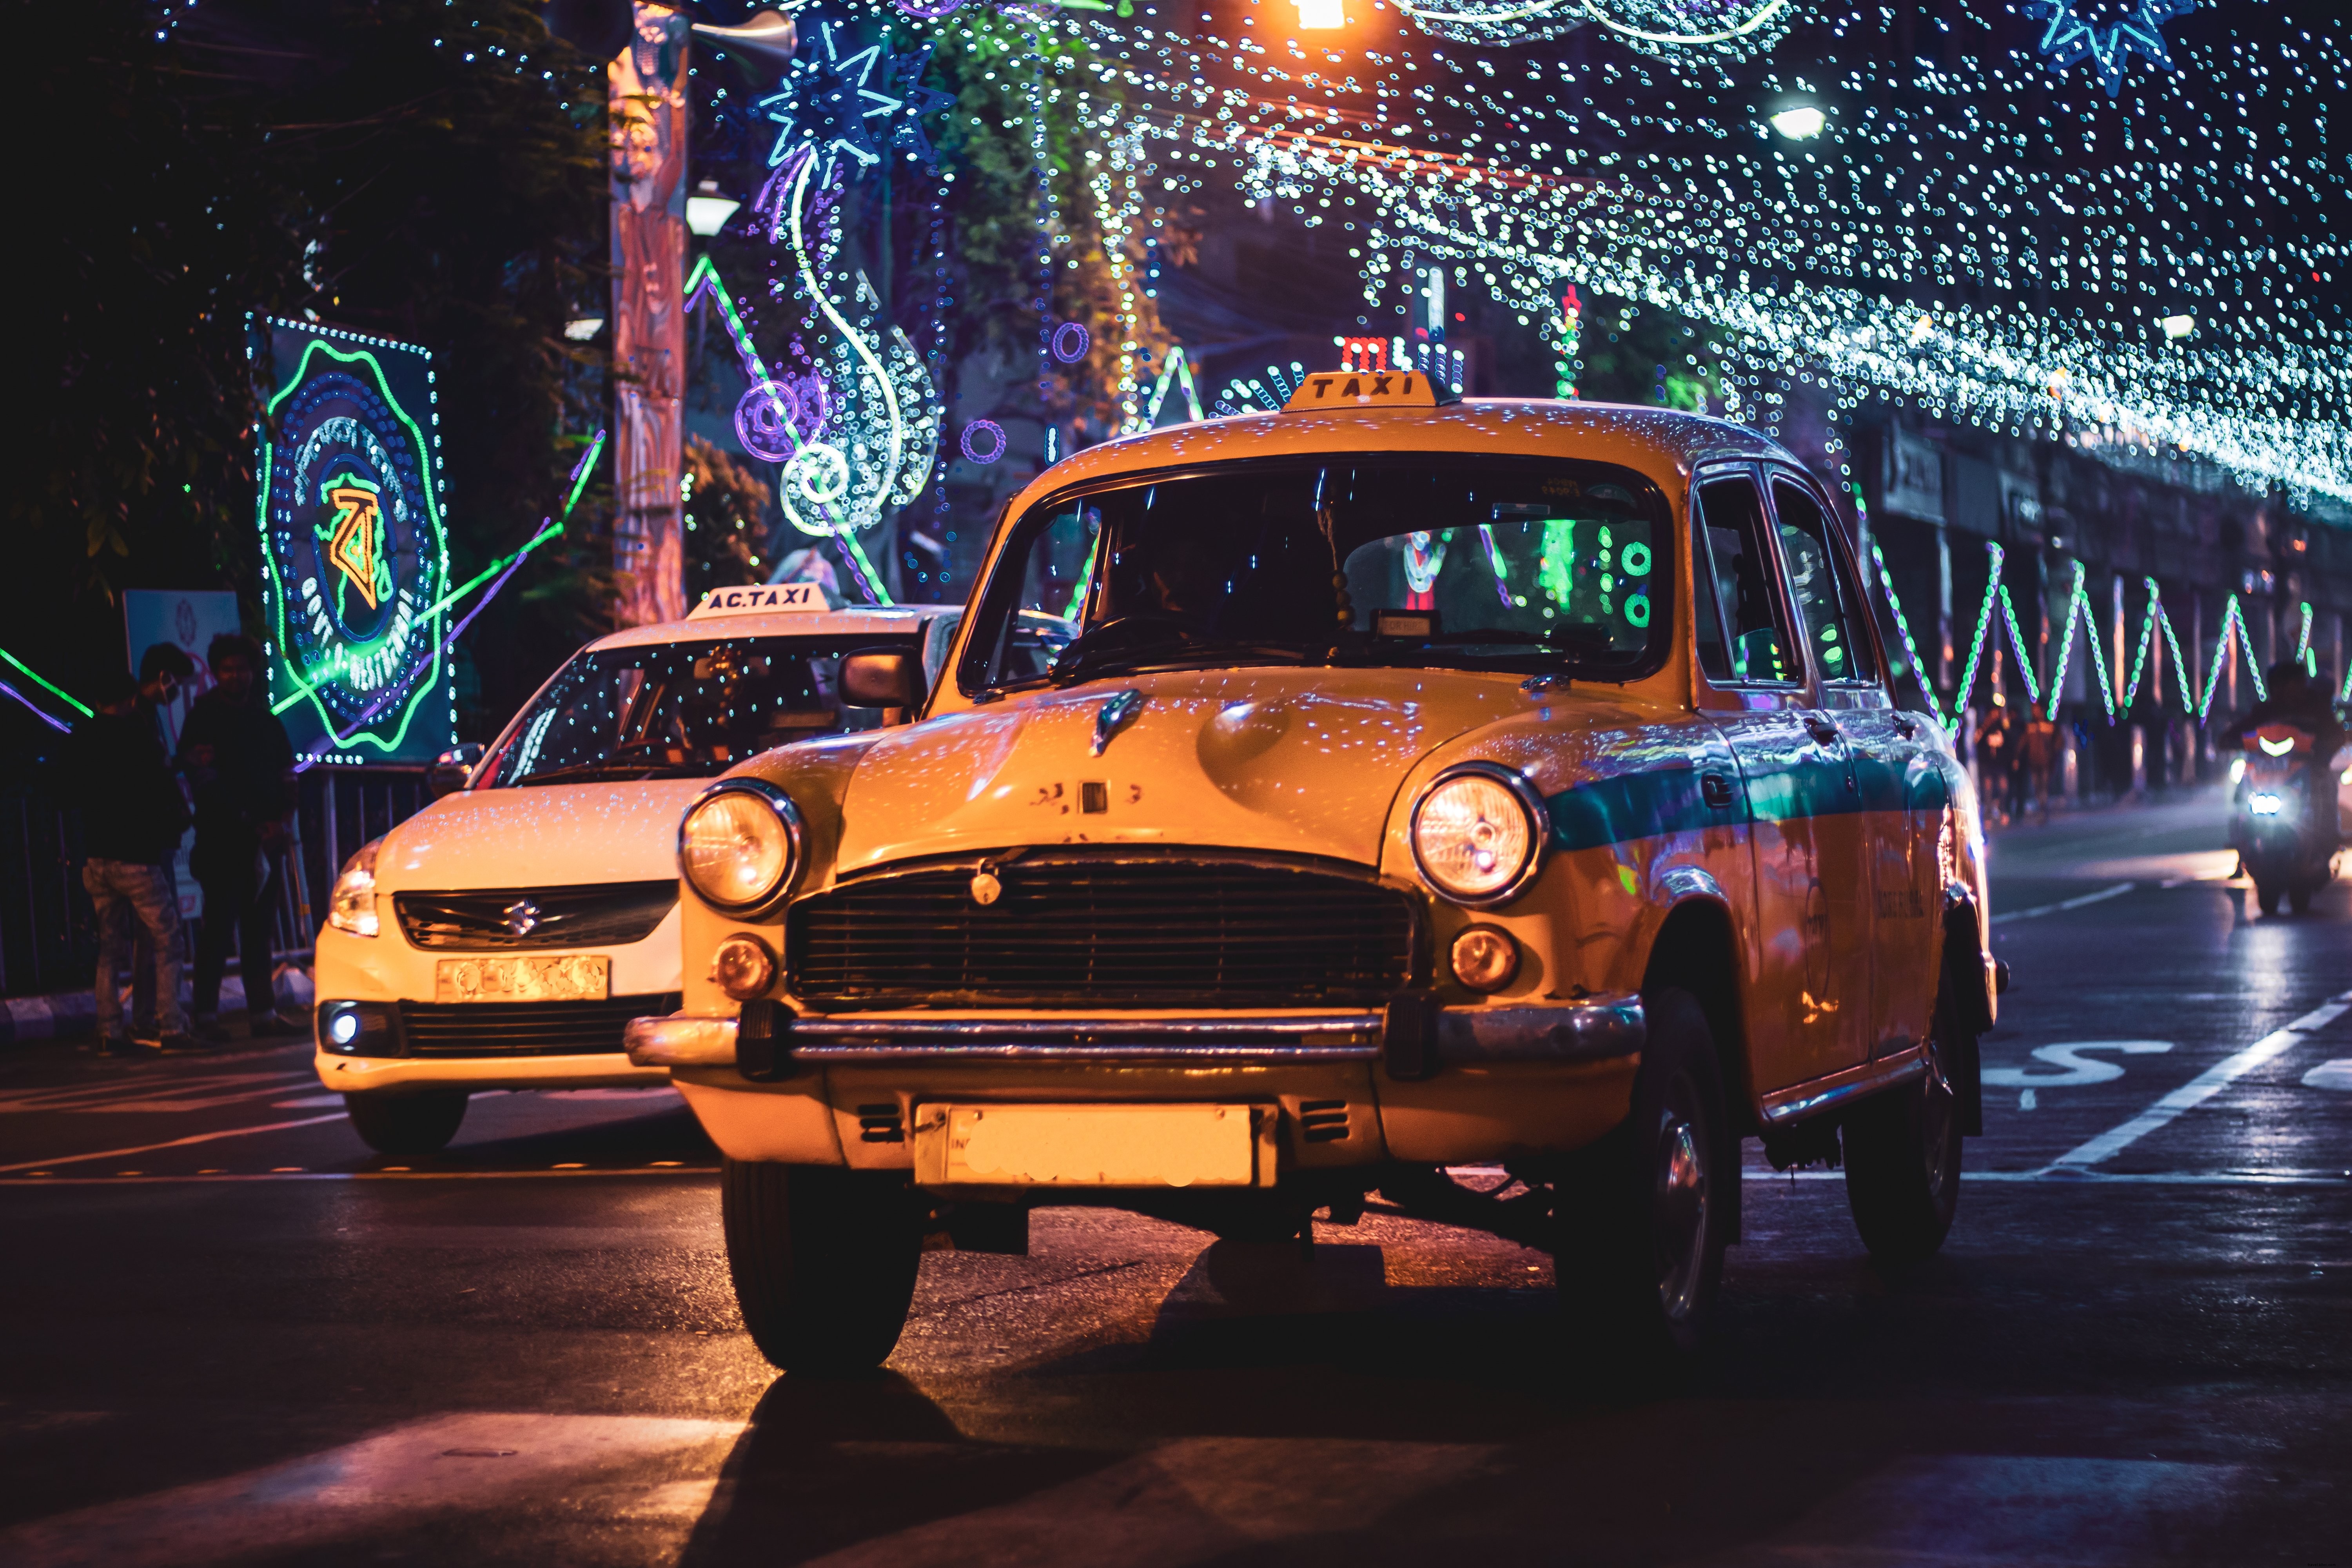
[(1116, 713), (522, 917)]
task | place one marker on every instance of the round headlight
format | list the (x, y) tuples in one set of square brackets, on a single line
[(1476, 834), (740, 844)]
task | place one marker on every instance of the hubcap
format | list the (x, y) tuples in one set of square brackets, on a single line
[(1679, 1206)]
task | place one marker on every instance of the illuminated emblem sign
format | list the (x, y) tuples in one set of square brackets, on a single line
[(356, 558)]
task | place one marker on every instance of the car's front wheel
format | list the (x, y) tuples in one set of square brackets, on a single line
[(1903, 1148), (824, 1260), (1644, 1216), (408, 1123)]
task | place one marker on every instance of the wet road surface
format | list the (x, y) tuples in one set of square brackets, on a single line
[(227, 1334)]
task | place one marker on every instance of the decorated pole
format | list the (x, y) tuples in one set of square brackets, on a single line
[(648, 257)]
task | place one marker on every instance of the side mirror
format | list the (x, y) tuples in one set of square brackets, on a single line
[(452, 769), (882, 678)]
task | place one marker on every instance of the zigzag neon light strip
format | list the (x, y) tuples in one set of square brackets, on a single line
[(2232, 635)]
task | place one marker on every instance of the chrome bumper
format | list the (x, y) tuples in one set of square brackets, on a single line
[(1596, 1029)]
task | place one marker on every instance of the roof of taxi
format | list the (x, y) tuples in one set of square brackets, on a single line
[(1654, 441), (878, 620)]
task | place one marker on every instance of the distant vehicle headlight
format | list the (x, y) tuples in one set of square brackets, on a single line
[(2263, 803), (1477, 833), (352, 906), (738, 846)]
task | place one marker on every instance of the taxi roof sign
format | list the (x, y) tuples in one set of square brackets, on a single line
[(761, 599), (1363, 389)]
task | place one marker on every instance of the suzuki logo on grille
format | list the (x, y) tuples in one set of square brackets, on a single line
[(522, 917)]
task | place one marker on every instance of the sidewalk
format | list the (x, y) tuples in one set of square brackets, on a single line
[(75, 1013)]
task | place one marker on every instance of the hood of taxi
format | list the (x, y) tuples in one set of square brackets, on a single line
[(544, 836), (1271, 759)]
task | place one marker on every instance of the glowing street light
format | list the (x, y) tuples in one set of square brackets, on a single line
[(706, 211), (2177, 327), (1802, 123), (1321, 16)]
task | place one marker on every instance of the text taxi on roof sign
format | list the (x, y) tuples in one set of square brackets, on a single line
[(503, 937), (1429, 784)]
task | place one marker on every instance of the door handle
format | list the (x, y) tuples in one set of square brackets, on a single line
[(1715, 790), (1822, 731)]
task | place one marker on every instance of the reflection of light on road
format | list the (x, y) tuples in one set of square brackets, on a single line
[(2336, 1074), (2197, 866)]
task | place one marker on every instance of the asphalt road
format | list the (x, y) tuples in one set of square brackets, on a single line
[(228, 1335)]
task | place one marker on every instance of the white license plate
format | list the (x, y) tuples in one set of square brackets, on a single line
[(542, 977), (1095, 1145)]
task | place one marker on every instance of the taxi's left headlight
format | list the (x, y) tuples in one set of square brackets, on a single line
[(352, 906), (740, 845), (1477, 833)]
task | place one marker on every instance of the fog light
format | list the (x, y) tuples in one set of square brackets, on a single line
[(743, 967), (1485, 959), (344, 1027)]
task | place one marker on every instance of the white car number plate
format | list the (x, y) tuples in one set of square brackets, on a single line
[(1092, 1145), (542, 977)]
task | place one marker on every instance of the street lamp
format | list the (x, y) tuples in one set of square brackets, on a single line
[(1321, 16), (706, 211), (1802, 123)]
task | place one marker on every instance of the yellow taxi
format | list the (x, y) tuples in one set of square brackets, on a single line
[(1429, 784)]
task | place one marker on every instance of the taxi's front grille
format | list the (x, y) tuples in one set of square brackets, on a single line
[(1105, 928), (478, 919), (523, 1029)]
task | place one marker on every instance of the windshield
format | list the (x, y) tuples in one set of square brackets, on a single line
[(681, 710), (1470, 563)]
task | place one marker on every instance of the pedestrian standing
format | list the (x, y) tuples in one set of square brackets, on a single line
[(163, 668), (241, 765), (132, 814)]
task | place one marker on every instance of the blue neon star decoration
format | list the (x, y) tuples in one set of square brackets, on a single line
[(2069, 40), (827, 106)]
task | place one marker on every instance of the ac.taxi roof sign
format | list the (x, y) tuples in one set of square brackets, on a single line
[(1363, 389), (759, 599)]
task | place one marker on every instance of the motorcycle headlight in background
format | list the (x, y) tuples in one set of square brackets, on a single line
[(1478, 835), (738, 846), (352, 906), (2263, 803)]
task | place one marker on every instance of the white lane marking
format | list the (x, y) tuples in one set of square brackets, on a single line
[(2073, 1068), (170, 1143), (2206, 1085), (1191, 1501), (2117, 891), (200, 1092), (470, 1461), (2336, 1074)]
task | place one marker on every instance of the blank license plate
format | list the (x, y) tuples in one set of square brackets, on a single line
[(543, 977), (1092, 1145)]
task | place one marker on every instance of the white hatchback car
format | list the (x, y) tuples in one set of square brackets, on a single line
[(504, 936)]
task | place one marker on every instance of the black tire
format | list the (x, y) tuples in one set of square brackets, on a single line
[(408, 1123), (824, 1260), (1641, 1217), (1902, 1147), (2266, 896), (2298, 898)]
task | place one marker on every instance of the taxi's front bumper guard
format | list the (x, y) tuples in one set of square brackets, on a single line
[(1414, 1035)]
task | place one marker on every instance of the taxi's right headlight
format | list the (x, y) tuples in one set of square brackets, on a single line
[(351, 905), (1478, 834), (740, 845)]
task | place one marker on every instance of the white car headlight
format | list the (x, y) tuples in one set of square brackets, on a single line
[(352, 906), (1478, 834), (738, 846)]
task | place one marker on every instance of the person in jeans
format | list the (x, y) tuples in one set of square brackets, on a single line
[(132, 814), (241, 764)]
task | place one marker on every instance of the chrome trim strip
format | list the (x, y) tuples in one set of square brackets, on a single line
[(680, 1040), (1833, 1089), (1592, 1028), (978, 1050)]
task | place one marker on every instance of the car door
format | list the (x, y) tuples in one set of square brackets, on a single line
[(1896, 780), (1807, 985)]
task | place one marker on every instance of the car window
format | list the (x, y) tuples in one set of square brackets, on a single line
[(1822, 588), (1741, 634), (680, 709), (1507, 563)]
